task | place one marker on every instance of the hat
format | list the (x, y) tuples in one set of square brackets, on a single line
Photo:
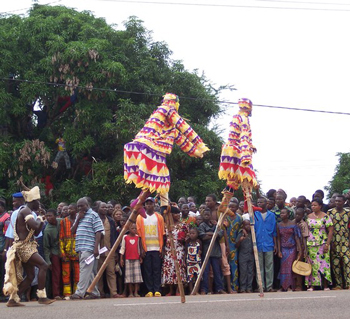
[(126, 207), (150, 199), (245, 104), (17, 195), (245, 217), (345, 191), (31, 195), (171, 99)]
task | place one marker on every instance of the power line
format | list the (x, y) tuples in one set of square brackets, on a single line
[(155, 94), (307, 2), (226, 5), (45, 4)]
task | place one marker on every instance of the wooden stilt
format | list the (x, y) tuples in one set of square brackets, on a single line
[(170, 225), (247, 192), (131, 219)]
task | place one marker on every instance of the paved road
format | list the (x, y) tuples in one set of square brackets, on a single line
[(294, 305)]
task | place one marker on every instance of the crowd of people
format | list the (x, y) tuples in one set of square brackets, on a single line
[(77, 237)]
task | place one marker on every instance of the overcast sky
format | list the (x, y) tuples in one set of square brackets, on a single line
[(279, 57)]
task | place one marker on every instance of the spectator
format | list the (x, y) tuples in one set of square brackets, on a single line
[(193, 251), (233, 228), (246, 257), (180, 233), (320, 237), (265, 228), (340, 254), (288, 235), (319, 194), (108, 239), (185, 218), (52, 251), (206, 231), (131, 251), (151, 232), (88, 228), (304, 231), (70, 258)]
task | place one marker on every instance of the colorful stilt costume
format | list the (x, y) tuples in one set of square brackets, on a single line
[(145, 157), (237, 169), (236, 154)]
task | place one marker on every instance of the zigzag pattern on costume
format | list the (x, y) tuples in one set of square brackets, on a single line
[(236, 154), (145, 157)]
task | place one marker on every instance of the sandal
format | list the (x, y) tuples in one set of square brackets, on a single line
[(75, 297)]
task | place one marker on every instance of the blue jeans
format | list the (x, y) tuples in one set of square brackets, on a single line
[(215, 263)]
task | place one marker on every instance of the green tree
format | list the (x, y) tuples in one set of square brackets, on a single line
[(341, 178), (56, 52)]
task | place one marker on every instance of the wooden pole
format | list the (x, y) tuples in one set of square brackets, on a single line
[(131, 219), (247, 192), (170, 225)]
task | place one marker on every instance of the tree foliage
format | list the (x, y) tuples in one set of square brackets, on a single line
[(341, 178), (54, 52)]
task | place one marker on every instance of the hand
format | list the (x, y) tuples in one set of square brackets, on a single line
[(299, 256), (121, 262), (214, 222), (141, 260), (275, 250), (162, 254), (325, 248), (227, 251), (96, 252), (280, 255), (81, 214)]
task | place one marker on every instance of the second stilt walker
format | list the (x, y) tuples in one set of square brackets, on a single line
[(237, 169)]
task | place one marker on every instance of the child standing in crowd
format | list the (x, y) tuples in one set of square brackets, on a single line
[(199, 220), (233, 227), (246, 256), (288, 234), (299, 219), (271, 203), (193, 257), (206, 231), (130, 255)]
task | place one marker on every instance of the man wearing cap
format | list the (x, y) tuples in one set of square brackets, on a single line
[(151, 231), (24, 255)]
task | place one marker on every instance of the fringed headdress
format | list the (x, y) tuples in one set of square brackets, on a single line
[(245, 104), (171, 99)]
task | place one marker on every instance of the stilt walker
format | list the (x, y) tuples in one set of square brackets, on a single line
[(145, 160), (237, 169)]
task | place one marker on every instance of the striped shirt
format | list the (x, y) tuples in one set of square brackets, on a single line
[(87, 228)]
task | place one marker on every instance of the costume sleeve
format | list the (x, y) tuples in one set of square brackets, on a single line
[(188, 140), (47, 250)]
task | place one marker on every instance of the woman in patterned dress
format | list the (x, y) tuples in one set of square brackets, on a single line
[(180, 233), (288, 236), (320, 236)]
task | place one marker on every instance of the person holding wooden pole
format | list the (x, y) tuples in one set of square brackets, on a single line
[(236, 166), (145, 159)]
